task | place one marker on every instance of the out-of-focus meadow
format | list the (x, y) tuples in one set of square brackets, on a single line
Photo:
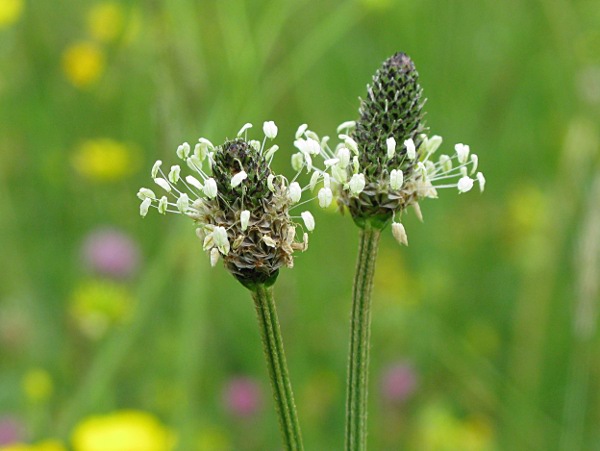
[(484, 328)]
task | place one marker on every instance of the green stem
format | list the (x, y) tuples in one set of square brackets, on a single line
[(360, 333), (277, 366)]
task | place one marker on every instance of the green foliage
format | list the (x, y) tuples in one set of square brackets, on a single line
[(486, 303)]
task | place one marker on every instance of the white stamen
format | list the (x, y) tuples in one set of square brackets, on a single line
[(144, 206), (210, 188), (206, 142), (312, 146), (309, 220), (214, 257), (155, 168), (221, 240), (194, 163), (446, 163), (346, 126), (331, 161), (244, 128), (344, 156), (238, 178), (244, 219), (391, 147), (174, 174), (191, 180), (474, 162), (433, 143), (396, 179), (271, 152), (270, 129), (297, 161), (481, 180), (183, 203), (462, 152), (300, 131), (163, 184), (325, 197), (351, 144), (314, 179), (418, 212), (145, 193), (270, 185), (355, 164), (339, 175), (411, 151), (465, 184), (162, 205), (183, 151), (357, 183), (312, 135), (200, 151), (399, 233), (295, 192)]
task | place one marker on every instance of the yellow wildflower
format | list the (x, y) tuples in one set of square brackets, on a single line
[(104, 160), (98, 304), (46, 445), (37, 385), (127, 430), (441, 430), (106, 21), (83, 63), (10, 11)]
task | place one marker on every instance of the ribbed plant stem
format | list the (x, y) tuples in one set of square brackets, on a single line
[(360, 333), (277, 366)]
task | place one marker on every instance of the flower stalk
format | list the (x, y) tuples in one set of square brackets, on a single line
[(277, 366), (360, 333)]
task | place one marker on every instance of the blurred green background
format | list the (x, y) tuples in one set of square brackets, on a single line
[(484, 328)]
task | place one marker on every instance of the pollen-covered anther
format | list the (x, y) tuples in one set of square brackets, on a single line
[(244, 220), (210, 188), (325, 197), (462, 152), (183, 151), (396, 179), (391, 147), (465, 184), (481, 180), (309, 220), (270, 129), (238, 178), (357, 183), (214, 257), (411, 151), (144, 206), (399, 233), (294, 192)]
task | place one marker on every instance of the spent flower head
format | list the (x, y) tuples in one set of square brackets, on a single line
[(385, 162), (240, 206)]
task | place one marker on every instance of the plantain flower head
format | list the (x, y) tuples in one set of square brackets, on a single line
[(385, 162), (240, 206)]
